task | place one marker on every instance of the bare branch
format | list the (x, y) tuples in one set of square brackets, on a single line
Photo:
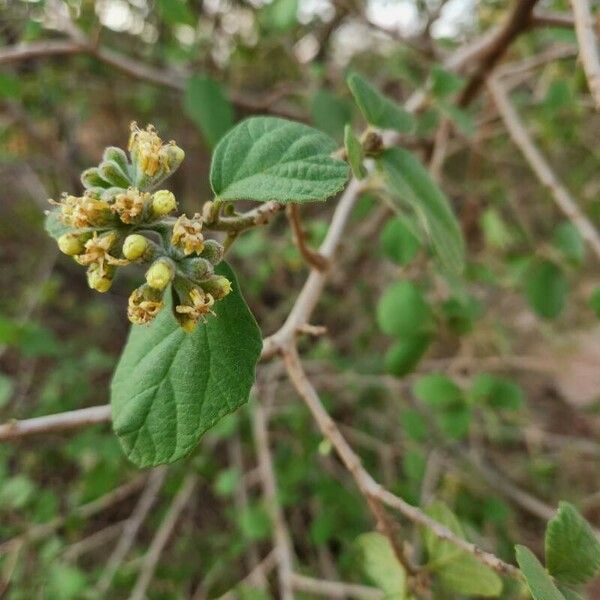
[(541, 168), (312, 258), (548, 18), (131, 529), (366, 484), (588, 46), (281, 538), (162, 536), (52, 423), (334, 589)]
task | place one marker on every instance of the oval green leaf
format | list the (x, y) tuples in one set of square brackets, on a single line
[(267, 158), (170, 386)]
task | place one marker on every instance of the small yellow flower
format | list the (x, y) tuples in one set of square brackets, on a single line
[(149, 152), (163, 202), (97, 252), (71, 244), (130, 205), (83, 211), (200, 305), (135, 246), (187, 234), (143, 306), (100, 279), (160, 274)]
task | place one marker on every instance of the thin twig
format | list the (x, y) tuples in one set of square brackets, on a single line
[(52, 423), (281, 538), (366, 484), (93, 541), (334, 589), (84, 511), (588, 46), (265, 566), (131, 529), (162, 536), (314, 259), (541, 168)]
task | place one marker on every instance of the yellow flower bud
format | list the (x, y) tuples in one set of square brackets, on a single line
[(98, 279), (218, 286), (71, 244), (160, 274), (135, 246), (163, 202)]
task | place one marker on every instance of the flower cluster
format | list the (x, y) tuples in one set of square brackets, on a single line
[(121, 219)]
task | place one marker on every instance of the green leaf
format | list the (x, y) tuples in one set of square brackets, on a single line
[(398, 241), (267, 158), (329, 113), (206, 103), (354, 153), (403, 311), (572, 548), (382, 566), (498, 392), (408, 179), (9, 86), (405, 354), (443, 82), (438, 391), (568, 240), (546, 288), (170, 386), (457, 570), (376, 108), (539, 582)]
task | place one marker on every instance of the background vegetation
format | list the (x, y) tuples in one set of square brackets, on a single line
[(484, 397)]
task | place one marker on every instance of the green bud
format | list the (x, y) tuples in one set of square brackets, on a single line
[(218, 286), (175, 156), (163, 202), (160, 274), (91, 178), (100, 280), (213, 251), (135, 246), (111, 172), (198, 268), (71, 244)]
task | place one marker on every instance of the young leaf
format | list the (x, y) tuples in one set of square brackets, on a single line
[(206, 103), (568, 240), (376, 108), (330, 113), (457, 570), (405, 354), (546, 288), (170, 386), (438, 391), (539, 582), (403, 311), (498, 392), (408, 179), (382, 566), (398, 241), (267, 158), (572, 548), (354, 153)]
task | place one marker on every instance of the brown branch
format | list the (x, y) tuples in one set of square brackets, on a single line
[(334, 589), (366, 484), (548, 18), (517, 21), (588, 46), (281, 539), (84, 511), (540, 167), (314, 259), (131, 529), (162, 536), (52, 423)]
